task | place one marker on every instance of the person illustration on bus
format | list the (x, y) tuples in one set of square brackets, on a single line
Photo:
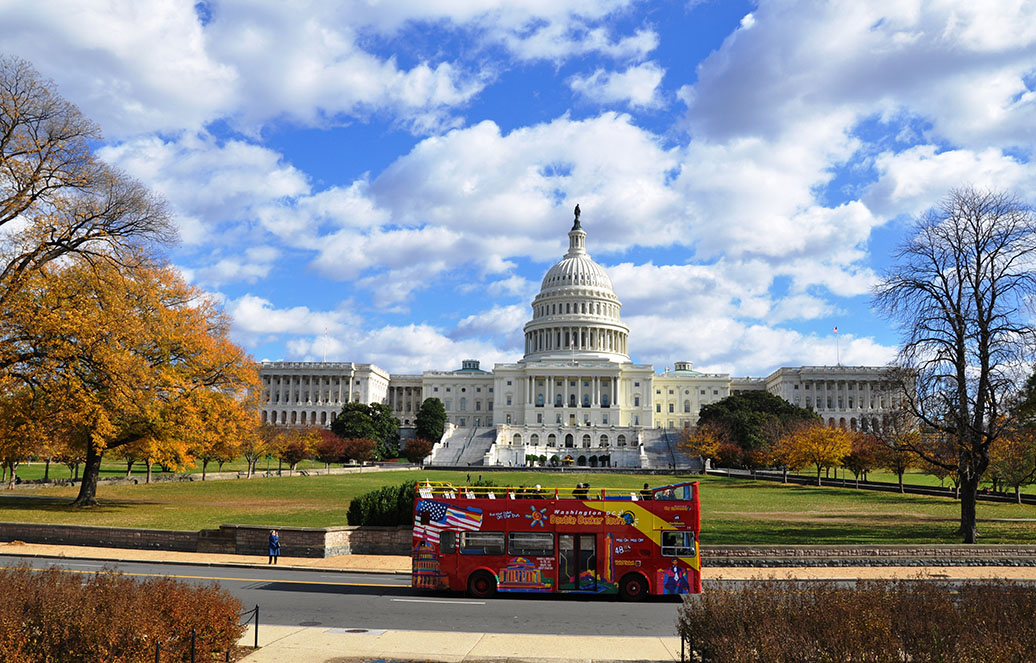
[(676, 581)]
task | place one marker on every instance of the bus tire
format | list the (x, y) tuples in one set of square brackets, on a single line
[(632, 587), (481, 584)]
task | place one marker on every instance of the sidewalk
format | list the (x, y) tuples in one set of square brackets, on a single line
[(328, 645)]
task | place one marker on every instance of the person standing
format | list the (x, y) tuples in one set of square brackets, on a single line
[(275, 546)]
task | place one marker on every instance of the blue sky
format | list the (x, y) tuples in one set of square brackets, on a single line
[(387, 182)]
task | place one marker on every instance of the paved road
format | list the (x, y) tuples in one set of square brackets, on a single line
[(290, 597)]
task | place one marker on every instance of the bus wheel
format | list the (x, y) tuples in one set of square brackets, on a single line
[(481, 584), (632, 587)]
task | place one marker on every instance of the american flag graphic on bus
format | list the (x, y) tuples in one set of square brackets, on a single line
[(443, 516)]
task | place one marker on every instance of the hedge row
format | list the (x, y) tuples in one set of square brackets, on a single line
[(920, 621), (53, 615)]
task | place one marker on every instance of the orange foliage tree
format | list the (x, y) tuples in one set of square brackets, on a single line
[(813, 444), (704, 440), (128, 356)]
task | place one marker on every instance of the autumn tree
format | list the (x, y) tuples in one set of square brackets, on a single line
[(126, 356), (361, 450), (816, 445), (703, 440), (1013, 460), (417, 450), (899, 442), (297, 446), (329, 448), (959, 291), (63, 200), (862, 456)]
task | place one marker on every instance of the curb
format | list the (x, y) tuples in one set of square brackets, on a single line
[(245, 565)]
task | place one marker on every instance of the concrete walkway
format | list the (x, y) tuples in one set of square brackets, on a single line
[(299, 644)]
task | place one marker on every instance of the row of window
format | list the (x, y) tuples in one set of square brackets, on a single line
[(596, 308), (478, 390), (539, 544)]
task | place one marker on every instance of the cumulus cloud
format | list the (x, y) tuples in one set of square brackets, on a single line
[(637, 87)]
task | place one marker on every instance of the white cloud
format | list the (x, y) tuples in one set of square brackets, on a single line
[(637, 87), (133, 67)]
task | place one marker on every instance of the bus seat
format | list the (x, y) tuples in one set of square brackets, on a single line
[(492, 495)]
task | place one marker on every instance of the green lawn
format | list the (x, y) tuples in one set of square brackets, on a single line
[(733, 511)]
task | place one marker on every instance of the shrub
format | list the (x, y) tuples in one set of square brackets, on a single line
[(907, 620), (388, 506), (392, 506), (51, 615)]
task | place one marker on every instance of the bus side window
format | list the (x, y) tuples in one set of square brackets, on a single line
[(482, 543), (448, 542), (678, 544)]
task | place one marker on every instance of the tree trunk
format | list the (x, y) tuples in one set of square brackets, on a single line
[(148, 464), (46, 471), (785, 473), (818, 475), (968, 501), (91, 470), (900, 473), (129, 468), (1018, 493), (204, 464)]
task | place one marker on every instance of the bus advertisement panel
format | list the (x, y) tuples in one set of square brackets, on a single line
[(604, 541)]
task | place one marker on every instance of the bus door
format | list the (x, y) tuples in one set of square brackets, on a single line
[(577, 563)]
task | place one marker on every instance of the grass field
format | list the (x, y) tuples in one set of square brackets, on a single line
[(733, 511)]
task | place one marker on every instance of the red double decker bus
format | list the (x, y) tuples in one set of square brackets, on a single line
[(600, 541)]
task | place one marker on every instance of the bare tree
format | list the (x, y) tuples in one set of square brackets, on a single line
[(959, 292)]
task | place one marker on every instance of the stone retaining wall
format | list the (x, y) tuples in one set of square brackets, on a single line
[(888, 555), (228, 539)]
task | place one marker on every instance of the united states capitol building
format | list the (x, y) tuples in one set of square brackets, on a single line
[(574, 397)]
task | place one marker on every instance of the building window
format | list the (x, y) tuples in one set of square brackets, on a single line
[(508, 383), (658, 407), (435, 389), (478, 390), (447, 390), (539, 417), (715, 392), (636, 384), (478, 406), (702, 392), (670, 408), (604, 419), (508, 400), (636, 401), (489, 406)]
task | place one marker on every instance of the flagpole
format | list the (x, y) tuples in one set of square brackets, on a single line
[(325, 345), (838, 353)]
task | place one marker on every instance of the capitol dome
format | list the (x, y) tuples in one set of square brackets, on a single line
[(576, 313)]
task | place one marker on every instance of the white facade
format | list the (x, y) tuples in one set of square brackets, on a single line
[(575, 391)]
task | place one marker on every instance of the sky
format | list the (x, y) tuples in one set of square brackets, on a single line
[(386, 182)]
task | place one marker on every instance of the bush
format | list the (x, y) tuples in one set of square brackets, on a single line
[(907, 620), (388, 506), (51, 615), (392, 506)]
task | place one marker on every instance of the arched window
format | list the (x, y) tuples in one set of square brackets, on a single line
[(604, 440), (517, 439), (586, 400), (463, 404), (572, 400), (552, 440), (264, 416), (539, 400), (636, 401), (569, 442), (534, 440), (686, 406), (557, 400), (621, 440), (586, 441), (604, 400), (581, 461)]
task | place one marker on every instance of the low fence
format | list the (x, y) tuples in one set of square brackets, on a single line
[(188, 650)]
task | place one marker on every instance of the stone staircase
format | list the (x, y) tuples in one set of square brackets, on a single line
[(478, 446), (660, 451)]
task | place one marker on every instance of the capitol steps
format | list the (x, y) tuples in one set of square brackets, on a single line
[(478, 446), (661, 452), (449, 450)]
